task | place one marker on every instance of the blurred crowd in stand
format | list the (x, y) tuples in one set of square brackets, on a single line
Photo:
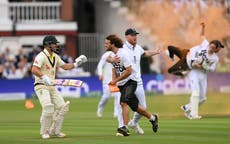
[(174, 22), (17, 66)]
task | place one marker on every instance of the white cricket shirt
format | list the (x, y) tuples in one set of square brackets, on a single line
[(47, 65), (202, 51), (135, 54), (104, 68)]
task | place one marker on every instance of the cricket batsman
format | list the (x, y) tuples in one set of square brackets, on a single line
[(53, 105)]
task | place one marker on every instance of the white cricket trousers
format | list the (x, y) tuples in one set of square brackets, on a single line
[(198, 84), (50, 100), (140, 94)]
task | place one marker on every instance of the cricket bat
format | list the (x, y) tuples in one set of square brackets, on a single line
[(68, 82)]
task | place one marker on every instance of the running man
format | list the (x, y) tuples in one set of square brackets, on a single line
[(125, 77), (136, 52)]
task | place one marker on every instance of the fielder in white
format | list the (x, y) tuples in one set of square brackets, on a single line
[(136, 52), (104, 69), (199, 60), (53, 105)]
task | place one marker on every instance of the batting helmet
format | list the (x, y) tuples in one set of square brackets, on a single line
[(49, 39)]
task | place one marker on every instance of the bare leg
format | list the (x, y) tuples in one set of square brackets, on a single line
[(125, 113)]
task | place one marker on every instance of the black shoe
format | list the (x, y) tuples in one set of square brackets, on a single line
[(123, 131), (170, 53), (180, 74), (154, 123)]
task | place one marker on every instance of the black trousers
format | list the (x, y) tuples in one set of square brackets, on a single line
[(181, 65)]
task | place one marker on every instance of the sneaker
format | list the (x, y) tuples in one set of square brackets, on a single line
[(136, 127), (168, 54), (154, 123), (60, 135), (99, 114), (122, 131), (119, 134), (45, 136), (178, 73), (195, 117), (190, 117)]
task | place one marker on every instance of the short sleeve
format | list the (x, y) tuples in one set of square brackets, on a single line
[(204, 43), (141, 50), (38, 61), (60, 62)]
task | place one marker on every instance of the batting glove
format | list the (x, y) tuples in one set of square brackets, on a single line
[(80, 60), (46, 80)]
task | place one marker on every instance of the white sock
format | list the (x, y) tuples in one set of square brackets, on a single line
[(153, 118)]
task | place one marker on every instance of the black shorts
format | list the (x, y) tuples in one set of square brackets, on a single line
[(128, 91)]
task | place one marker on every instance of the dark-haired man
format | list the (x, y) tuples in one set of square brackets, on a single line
[(126, 78)]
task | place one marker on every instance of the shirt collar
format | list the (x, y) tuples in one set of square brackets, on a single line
[(130, 46), (47, 53)]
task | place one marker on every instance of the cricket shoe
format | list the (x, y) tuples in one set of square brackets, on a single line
[(190, 117), (186, 112), (59, 135), (99, 114), (122, 131), (45, 136), (195, 117), (155, 123), (136, 127)]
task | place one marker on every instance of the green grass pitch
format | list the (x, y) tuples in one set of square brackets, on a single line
[(21, 126)]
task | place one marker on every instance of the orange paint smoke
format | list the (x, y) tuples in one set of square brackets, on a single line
[(181, 26)]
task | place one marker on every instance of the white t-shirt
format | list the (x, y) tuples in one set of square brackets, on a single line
[(199, 51), (135, 54), (120, 67), (104, 68)]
